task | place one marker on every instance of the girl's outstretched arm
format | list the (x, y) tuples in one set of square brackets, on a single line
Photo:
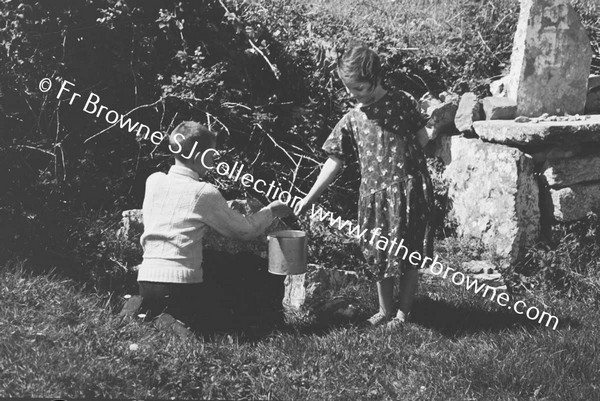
[(328, 172)]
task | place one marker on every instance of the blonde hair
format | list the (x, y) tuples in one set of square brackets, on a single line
[(359, 63)]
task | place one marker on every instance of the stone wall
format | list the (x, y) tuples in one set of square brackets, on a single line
[(513, 178), (532, 161), (494, 195)]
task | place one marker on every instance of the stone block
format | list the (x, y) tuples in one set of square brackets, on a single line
[(538, 134), (566, 172), (449, 97), (469, 111), (575, 202), (487, 277), (498, 87), (478, 267), (442, 119), (499, 108), (550, 61), (494, 195), (441, 113)]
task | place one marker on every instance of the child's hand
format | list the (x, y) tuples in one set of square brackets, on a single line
[(301, 206), (280, 209)]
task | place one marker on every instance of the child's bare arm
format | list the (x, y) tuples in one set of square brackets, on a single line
[(328, 172), (217, 214)]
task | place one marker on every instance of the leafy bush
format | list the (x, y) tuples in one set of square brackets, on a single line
[(569, 265)]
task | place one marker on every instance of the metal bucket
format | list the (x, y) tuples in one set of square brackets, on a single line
[(287, 252)]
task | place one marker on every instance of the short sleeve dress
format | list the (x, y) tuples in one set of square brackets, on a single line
[(396, 194)]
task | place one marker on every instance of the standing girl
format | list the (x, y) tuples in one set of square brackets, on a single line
[(387, 131)]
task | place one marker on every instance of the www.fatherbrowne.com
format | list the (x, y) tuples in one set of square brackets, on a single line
[(394, 247)]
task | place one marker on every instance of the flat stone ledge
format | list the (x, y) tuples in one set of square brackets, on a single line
[(541, 133)]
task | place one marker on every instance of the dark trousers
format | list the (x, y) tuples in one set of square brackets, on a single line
[(237, 292), (185, 302)]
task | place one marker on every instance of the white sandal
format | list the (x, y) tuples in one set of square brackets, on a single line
[(378, 319), (397, 321)]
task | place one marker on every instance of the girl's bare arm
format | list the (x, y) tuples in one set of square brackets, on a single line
[(328, 172)]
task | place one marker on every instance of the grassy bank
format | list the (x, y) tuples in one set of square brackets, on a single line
[(60, 342)]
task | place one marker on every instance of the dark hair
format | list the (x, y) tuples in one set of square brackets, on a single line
[(191, 132), (359, 63)]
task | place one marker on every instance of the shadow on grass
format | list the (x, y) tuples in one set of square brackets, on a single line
[(455, 321), (269, 323), (449, 320)]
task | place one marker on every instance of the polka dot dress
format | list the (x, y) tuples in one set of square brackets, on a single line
[(396, 194)]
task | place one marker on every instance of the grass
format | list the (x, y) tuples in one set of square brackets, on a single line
[(58, 341)]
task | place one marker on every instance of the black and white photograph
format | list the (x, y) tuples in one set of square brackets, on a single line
[(300, 200)]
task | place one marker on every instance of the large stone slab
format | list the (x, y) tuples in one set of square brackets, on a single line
[(494, 195), (534, 134), (574, 202), (565, 172), (550, 61)]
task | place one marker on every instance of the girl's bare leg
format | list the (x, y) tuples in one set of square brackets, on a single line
[(407, 290), (385, 291)]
